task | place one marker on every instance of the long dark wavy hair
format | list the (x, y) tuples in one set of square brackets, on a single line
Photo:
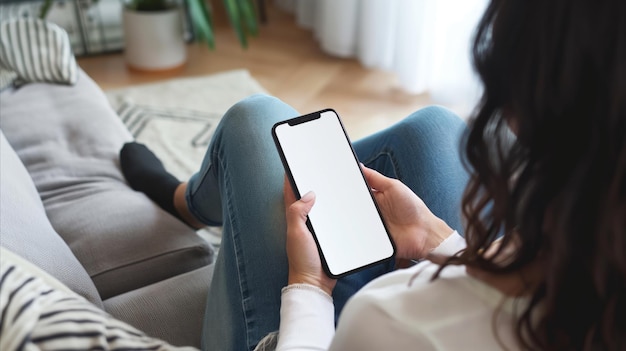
[(554, 71)]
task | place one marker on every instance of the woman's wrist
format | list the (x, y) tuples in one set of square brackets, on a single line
[(324, 283), (309, 287), (437, 232)]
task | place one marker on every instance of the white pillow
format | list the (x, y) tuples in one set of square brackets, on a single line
[(37, 51)]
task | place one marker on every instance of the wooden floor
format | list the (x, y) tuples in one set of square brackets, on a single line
[(287, 62)]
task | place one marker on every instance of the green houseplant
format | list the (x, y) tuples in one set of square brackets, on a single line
[(242, 15)]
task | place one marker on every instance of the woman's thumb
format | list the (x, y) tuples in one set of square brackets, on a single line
[(300, 209), (374, 179), (308, 197)]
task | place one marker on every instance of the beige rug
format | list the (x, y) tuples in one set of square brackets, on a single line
[(176, 118)]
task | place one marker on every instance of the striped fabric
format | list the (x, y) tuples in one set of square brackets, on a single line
[(38, 314), (6, 78), (37, 51)]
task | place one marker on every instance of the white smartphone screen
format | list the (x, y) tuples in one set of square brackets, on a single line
[(345, 220)]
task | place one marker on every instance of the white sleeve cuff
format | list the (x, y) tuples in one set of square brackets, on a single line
[(307, 318), (453, 244)]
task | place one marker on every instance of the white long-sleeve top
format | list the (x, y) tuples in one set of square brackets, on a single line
[(403, 310)]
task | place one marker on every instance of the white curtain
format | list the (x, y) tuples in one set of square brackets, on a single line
[(426, 43)]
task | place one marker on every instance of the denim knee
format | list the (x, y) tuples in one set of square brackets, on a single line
[(435, 116), (434, 125), (253, 111)]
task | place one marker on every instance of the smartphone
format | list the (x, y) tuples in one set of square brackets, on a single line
[(345, 221)]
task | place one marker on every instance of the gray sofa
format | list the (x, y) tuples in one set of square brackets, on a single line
[(65, 206)]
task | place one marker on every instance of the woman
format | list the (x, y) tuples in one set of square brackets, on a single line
[(543, 262)]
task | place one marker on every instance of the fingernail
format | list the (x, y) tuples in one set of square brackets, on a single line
[(308, 196)]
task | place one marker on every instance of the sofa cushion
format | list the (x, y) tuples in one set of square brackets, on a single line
[(69, 138), (26, 231), (181, 300)]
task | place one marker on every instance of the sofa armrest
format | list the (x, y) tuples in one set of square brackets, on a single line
[(26, 231)]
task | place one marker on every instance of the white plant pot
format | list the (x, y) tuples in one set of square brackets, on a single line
[(154, 40)]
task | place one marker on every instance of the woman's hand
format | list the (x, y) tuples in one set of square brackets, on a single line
[(414, 228), (305, 265)]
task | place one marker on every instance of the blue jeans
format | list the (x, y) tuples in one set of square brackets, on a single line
[(239, 186)]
